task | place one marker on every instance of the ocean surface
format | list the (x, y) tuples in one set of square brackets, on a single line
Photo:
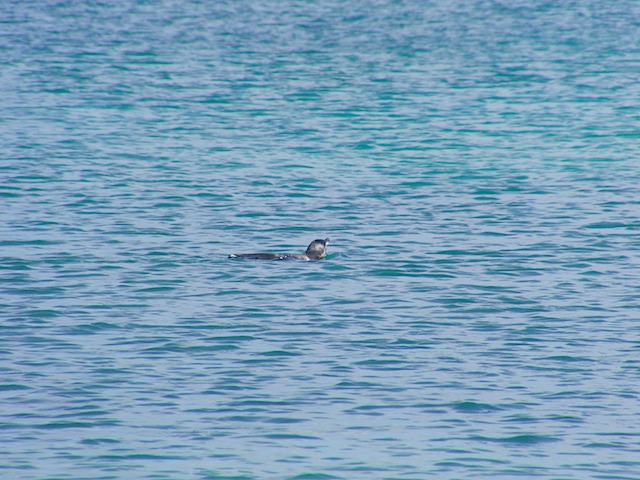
[(476, 165)]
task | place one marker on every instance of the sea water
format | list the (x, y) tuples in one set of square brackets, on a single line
[(476, 165)]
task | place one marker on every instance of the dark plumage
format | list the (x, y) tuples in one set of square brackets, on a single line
[(315, 251)]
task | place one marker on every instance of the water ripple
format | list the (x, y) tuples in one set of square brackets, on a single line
[(474, 163)]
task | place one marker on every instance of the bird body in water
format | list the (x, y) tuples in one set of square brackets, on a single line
[(315, 251)]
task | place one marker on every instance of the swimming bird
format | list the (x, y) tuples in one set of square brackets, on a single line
[(315, 251)]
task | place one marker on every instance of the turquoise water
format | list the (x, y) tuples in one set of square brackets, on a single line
[(475, 164)]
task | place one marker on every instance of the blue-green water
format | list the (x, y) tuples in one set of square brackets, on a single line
[(475, 163)]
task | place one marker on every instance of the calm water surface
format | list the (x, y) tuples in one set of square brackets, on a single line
[(475, 163)]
